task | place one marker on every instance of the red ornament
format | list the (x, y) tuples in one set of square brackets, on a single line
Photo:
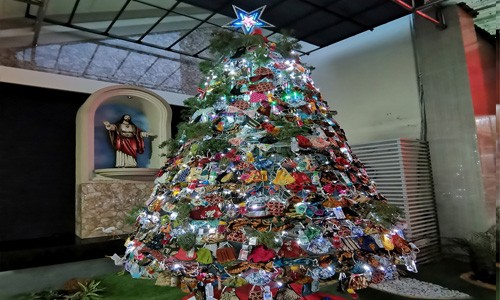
[(258, 31), (337, 242)]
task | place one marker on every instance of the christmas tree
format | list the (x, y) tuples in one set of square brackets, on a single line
[(261, 192)]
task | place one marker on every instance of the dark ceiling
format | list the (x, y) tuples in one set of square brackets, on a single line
[(318, 22), (167, 24)]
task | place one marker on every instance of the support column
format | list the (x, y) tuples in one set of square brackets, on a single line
[(42, 9), (450, 124)]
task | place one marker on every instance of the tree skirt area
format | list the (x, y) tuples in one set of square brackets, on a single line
[(413, 288)]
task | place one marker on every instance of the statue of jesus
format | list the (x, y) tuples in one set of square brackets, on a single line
[(128, 141)]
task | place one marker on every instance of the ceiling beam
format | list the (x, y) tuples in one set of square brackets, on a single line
[(117, 16)]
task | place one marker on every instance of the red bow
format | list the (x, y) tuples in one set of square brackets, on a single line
[(258, 31), (201, 92)]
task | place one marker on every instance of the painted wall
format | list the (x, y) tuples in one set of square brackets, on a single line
[(12, 9), (69, 83), (480, 59), (370, 79)]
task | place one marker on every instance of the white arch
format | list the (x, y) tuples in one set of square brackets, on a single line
[(155, 108)]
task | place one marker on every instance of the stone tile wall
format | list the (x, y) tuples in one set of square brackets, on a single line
[(104, 205)]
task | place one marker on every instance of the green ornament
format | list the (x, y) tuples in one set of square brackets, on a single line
[(187, 241)]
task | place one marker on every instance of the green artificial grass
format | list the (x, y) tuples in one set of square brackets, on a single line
[(119, 287), (444, 273), (124, 287)]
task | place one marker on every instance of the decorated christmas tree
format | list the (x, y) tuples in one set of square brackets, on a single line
[(261, 196)]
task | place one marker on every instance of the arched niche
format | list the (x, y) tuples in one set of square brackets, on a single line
[(151, 106)]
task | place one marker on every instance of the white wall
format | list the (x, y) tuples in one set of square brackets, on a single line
[(14, 9), (370, 79), (11, 9), (70, 83)]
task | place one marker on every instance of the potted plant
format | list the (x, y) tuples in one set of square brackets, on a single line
[(480, 250)]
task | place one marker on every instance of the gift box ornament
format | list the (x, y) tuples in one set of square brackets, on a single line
[(391, 273), (212, 247), (255, 294), (400, 244), (368, 244), (377, 276), (319, 143), (134, 269), (212, 237), (238, 268), (358, 281), (231, 211), (287, 294), (291, 249), (303, 142), (387, 242), (204, 256), (194, 174), (262, 162), (289, 164), (166, 278), (312, 232), (213, 199), (301, 208), (205, 212), (283, 178), (241, 104), (319, 245), (323, 273), (357, 231), (261, 254), (258, 278), (262, 73), (302, 181), (182, 175), (229, 295), (225, 254), (336, 241), (185, 255), (237, 236), (256, 97), (254, 176), (261, 87), (234, 281), (349, 244), (276, 208), (256, 207)]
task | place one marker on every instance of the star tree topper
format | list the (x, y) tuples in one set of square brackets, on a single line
[(248, 20)]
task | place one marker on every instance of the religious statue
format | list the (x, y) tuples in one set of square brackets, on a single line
[(128, 141)]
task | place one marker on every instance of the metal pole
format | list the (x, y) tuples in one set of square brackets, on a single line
[(418, 12), (42, 9)]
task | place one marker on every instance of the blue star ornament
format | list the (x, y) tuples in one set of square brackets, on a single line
[(248, 20)]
